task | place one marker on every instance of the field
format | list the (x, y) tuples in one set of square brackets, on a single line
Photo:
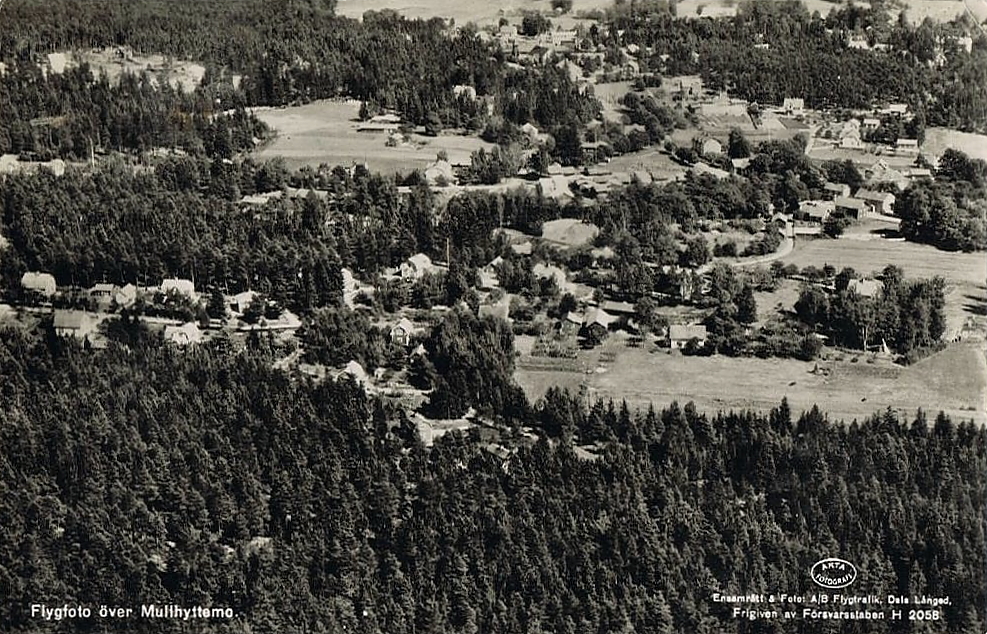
[(325, 132), (938, 139), (953, 380)]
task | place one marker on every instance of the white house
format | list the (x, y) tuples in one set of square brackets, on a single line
[(179, 287), (39, 283), (680, 335), (184, 335)]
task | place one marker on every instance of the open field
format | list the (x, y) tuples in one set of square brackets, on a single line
[(181, 74), (326, 132), (647, 161), (867, 256), (953, 381), (938, 139)]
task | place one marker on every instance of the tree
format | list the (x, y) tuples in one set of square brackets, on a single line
[(834, 226), (746, 305), (696, 252), (737, 145)]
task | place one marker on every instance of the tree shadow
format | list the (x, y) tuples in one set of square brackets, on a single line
[(975, 305), (887, 232)]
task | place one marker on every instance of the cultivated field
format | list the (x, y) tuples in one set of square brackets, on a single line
[(326, 132)]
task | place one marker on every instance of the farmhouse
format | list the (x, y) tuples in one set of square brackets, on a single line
[(74, 323), (679, 335), (596, 323), (850, 208), (42, 284), (184, 335), (879, 202)]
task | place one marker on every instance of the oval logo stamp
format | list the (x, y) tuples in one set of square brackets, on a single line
[(833, 573)]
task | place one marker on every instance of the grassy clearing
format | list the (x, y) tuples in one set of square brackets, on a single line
[(326, 132), (953, 380)]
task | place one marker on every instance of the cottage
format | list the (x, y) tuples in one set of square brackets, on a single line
[(793, 106), (242, 301), (680, 335), (440, 173), (184, 335), (126, 296), (865, 288), (907, 146), (102, 291), (415, 267), (619, 308), (850, 208), (879, 202), (179, 287), (836, 190), (402, 332), (40, 284), (815, 210), (77, 324)]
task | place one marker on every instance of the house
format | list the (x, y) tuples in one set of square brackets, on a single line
[(522, 248), (402, 332), (594, 151), (865, 288), (596, 323), (619, 308), (126, 296), (710, 147), (571, 323), (41, 284), (836, 190), (680, 335), (851, 142), (500, 310), (899, 109), (240, 302), (102, 291), (74, 323), (466, 91), (907, 146), (531, 131), (184, 335), (793, 106), (879, 202), (179, 287), (440, 173), (815, 210), (381, 123), (415, 267), (850, 207), (870, 124), (740, 164), (919, 172)]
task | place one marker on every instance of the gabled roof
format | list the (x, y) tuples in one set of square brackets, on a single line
[(850, 203), (679, 332), (599, 316)]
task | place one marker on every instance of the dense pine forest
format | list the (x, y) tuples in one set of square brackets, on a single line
[(152, 475)]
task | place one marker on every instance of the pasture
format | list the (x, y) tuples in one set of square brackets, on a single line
[(937, 140), (326, 132), (845, 386)]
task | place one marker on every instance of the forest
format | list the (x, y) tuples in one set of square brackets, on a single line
[(307, 506)]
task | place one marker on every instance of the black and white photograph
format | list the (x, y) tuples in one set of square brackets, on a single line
[(493, 316)]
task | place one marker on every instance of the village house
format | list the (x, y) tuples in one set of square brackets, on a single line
[(179, 287), (184, 335), (793, 106), (77, 324), (416, 266), (38, 284), (879, 202), (596, 324), (852, 208), (815, 210), (832, 191), (125, 296), (402, 332), (440, 173), (680, 335), (907, 146), (240, 302), (865, 288)]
